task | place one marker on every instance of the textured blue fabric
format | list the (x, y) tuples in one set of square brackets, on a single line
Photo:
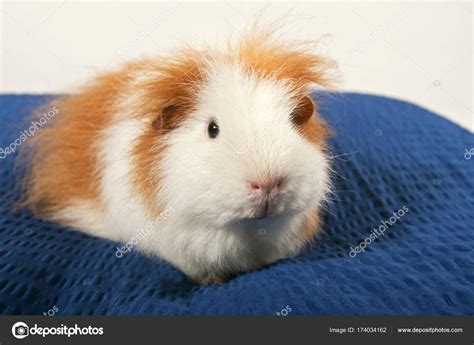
[(388, 154)]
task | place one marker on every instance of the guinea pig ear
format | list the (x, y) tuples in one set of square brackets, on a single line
[(303, 111), (166, 119)]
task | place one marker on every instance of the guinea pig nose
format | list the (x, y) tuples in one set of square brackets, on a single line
[(265, 186)]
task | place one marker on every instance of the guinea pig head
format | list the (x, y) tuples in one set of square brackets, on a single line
[(237, 136)]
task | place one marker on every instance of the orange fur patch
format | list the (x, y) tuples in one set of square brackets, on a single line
[(62, 156), (311, 225), (293, 63), (170, 98)]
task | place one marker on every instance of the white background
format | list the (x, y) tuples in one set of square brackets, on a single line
[(416, 51)]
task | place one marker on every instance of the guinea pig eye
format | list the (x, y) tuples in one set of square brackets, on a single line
[(213, 129)]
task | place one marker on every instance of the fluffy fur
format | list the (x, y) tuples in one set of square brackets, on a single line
[(134, 143)]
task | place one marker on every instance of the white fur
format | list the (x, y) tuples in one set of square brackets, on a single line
[(83, 215), (205, 181)]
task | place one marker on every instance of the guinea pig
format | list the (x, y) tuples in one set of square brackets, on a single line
[(212, 159)]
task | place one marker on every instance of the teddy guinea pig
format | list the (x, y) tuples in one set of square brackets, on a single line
[(220, 154)]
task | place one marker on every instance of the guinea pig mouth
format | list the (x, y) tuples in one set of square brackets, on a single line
[(265, 210)]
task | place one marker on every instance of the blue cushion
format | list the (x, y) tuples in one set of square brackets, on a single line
[(387, 154)]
